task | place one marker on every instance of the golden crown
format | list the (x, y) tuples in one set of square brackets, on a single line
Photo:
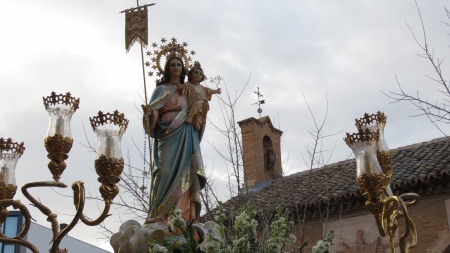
[(168, 50), (197, 64)]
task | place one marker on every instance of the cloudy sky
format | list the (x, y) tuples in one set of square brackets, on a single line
[(345, 52)]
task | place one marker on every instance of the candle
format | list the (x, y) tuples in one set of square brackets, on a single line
[(7, 168), (110, 149), (59, 126), (2, 174)]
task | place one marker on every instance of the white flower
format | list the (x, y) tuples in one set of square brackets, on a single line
[(156, 248), (322, 246), (292, 238), (176, 221), (241, 219), (254, 223), (212, 247), (178, 212), (219, 216)]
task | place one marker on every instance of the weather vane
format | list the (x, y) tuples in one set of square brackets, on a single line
[(260, 101)]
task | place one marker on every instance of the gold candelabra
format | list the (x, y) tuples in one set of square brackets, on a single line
[(373, 174), (109, 164)]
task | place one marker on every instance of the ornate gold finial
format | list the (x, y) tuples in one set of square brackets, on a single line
[(168, 50), (368, 119), (104, 118), (361, 136), (10, 145), (66, 99)]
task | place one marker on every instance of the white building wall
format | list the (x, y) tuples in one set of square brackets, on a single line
[(41, 237)]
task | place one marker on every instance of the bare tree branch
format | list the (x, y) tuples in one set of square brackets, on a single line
[(439, 110)]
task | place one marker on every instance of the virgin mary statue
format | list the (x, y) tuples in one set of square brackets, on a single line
[(178, 172)]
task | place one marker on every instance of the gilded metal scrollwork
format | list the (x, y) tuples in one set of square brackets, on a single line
[(18, 239)]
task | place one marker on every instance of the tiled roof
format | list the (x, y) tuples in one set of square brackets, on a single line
[(423, 168)]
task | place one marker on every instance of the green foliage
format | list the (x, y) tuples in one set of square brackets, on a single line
[(279, 233), (218, 243), (241, 237)]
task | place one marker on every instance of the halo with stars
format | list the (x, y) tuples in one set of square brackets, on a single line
[(168, 50)]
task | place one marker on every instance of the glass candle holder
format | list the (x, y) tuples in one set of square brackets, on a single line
[(10, 154), (369, 174), (373, 123), (60, 109), (58, 141), (109, 128), (363, 147), (109, 164)]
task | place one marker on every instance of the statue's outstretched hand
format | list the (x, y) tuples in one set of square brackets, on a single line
[(219, 91)]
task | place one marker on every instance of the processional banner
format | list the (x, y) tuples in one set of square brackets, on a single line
[(136, 27)]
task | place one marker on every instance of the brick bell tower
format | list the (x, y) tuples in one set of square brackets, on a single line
[(261, 152)]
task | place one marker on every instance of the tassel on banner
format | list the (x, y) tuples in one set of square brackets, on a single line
[(136, 27)]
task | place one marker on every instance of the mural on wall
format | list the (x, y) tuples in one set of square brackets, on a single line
[(360, 246)]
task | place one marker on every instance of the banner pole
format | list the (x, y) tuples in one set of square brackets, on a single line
[(152, 192)]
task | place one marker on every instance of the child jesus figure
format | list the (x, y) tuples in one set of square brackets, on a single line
[(198, 97)]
